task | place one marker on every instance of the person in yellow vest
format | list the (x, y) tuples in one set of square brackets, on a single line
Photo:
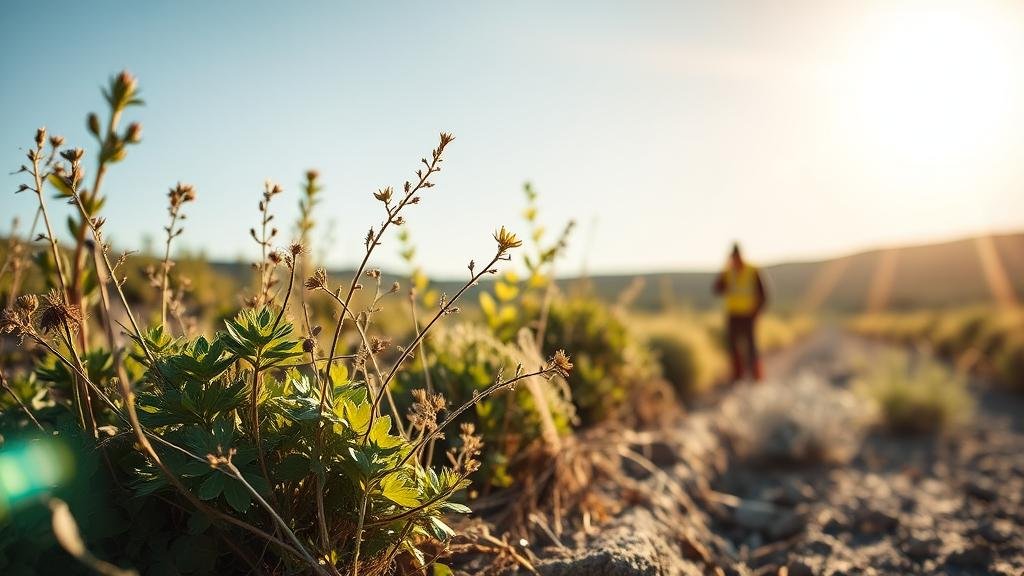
[(743, 295)]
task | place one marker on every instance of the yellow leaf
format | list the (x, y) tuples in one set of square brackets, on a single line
[(538, 280), (394, 488), (430, 298), (488, 305), (505, 292), (508, 315), (380, 434), (358, 417)]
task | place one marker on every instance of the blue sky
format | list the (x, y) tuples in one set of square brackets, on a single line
[(666, 129)]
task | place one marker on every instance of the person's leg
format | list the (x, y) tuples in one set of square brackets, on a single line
[(755, 357), (734, 345)]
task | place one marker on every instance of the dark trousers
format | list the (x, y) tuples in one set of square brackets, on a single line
[(741, 342)]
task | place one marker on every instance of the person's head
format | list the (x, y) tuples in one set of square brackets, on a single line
[(736, 257)]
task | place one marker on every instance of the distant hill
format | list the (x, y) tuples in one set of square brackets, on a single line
[(979, 270)]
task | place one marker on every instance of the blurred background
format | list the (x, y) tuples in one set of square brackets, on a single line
[(805, 130)]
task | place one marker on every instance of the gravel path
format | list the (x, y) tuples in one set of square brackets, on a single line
[(918, 505), (903, 505)]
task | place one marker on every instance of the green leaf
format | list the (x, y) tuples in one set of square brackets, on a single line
[(212, 486), (441, 570), (395, 488), (456, 507), (293, 468), (237, 495), (441, 530)]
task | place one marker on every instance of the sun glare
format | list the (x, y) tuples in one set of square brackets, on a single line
[(934, 81)]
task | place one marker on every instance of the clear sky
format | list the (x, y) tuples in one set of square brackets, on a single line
[(666, 129)]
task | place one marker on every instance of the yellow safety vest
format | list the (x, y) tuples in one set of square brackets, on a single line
[(740, 290)]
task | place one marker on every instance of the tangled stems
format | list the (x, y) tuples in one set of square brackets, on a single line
[(373, 240)]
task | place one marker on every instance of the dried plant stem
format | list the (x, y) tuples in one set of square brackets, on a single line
[(7, 386), (165, 266), (443, 310), (234, 473), (374, 240), (453, 414), (421, 351)]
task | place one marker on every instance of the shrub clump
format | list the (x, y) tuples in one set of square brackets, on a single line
[(803, 421), (1010, 363), (916, 396), (689, 359), (611, 366), (463, 361)]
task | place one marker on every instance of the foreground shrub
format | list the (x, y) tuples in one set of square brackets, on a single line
[(804, 421), (290, 453), (916, 395)]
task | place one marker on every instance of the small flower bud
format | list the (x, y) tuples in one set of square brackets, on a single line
[(93, 122), (134, 134)]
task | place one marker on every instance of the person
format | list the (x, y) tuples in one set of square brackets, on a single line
[(743, 295)]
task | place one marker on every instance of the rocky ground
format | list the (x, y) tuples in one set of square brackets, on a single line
[(919, 505)]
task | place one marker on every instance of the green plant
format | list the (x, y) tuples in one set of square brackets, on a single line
[(916, 395), (249, 437), (1009, 362), (464, 359), (612, 366)]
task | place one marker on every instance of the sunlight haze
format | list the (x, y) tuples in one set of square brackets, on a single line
[(666, 132)]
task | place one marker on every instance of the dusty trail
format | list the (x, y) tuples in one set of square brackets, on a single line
[(919, 505)]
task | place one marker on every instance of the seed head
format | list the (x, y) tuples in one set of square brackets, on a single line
[(181, 193), (317, 280), (378, 345), (27, 303), (384, 194), (560, 362), (73, 155), (56, 313)]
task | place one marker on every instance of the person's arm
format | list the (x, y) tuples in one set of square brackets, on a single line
[(718, 288), (762, 295)]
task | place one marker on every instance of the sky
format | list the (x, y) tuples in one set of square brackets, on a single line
[(667, 130)]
